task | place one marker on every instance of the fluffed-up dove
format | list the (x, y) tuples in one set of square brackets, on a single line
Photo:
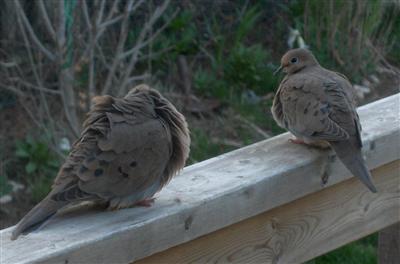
[(317, 106), (129, 149)]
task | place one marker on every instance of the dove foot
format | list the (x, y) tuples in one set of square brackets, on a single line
[(117, 205), (146, 202), (324, 178), (297, 141), (320, 144), (326, 168)]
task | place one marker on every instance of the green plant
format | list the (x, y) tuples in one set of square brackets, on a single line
[(362, 251), (203, 148), (246, 24), (246, 69), (233, 34), (180, 37), (40, 164), (207, 83), (259, 114), (226, 38), (234, 65), (5, 187), (349, 36), (184, 31), (392, 14)]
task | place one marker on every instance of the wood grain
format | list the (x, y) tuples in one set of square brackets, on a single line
[(301, 230)]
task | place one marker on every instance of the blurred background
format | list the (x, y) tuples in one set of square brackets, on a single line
[(213, 58)]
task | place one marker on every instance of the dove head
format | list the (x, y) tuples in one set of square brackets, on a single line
[(141, 89), (296, 60)]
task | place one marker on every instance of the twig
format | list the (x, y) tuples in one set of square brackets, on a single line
[(120, 47), (130, 8), (100, 17), (227, 142), (32, 63), (138, 78), (112, 9), (92, 34), (86, 15), (155, 54), (157, 13), (47, 21), (32, 34), (335, 53), (102, 56), (207, 54), (253, 126), (29, 112), (43, 127), (101, 27), (10, 64), (35, 87), (384, 62), (151, 38), (242, 11), (12, 89), (185, 74), (36, 75), (150, 46), (66, 76)]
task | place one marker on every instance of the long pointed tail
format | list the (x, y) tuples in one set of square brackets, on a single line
[(351, 157), (37, 215)]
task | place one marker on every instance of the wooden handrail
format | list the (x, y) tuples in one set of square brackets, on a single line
[(272, 179)]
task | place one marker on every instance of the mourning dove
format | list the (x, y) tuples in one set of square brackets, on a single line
[(129, 149), (317, 106)]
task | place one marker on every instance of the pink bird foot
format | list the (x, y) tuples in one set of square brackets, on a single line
[(146, 202), (297, 141)]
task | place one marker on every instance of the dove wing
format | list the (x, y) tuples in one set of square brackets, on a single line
[(119, 153), (277, 109), (317, 108)]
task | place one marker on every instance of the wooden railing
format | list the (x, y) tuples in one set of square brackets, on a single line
[(264, 203)]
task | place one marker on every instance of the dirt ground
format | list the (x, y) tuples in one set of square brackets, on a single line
[(14, 124)]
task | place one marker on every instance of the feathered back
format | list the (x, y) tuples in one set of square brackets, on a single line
[(176, 123)]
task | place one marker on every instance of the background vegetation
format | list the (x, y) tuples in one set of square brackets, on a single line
[(213, 59)]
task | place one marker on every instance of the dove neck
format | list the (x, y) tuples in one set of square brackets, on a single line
[(311, 66)]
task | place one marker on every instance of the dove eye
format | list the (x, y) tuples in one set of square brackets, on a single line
[(293, 60)]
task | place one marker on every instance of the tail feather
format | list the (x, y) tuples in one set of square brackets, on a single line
[(55, 200), (351, 157), (40, 213)]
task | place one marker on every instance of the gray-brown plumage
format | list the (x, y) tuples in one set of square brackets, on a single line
[(317, 106), (129, 149)]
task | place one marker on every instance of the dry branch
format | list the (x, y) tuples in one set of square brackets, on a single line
[(67, 43), (27, 25)]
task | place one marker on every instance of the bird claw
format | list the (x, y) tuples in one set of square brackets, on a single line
[(297, 141), (146, 202), (326, 168), (324, 178)]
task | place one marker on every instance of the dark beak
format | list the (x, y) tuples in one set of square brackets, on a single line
[(278, 70)]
